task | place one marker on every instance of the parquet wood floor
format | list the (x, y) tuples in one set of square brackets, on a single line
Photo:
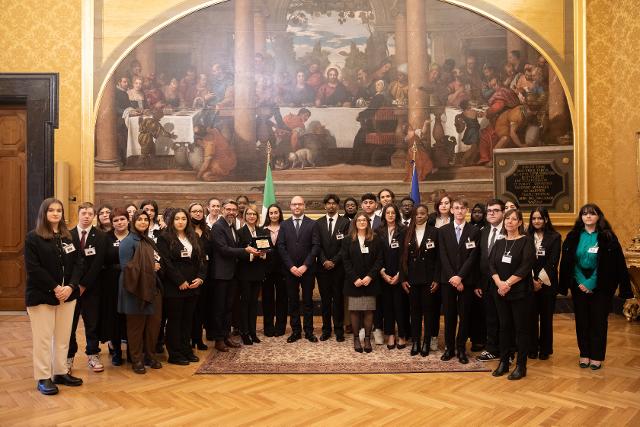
[(555, 392)]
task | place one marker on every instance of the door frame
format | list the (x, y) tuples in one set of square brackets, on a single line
[(39, 93)]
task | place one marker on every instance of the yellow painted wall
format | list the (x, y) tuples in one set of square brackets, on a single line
[(44, 36)]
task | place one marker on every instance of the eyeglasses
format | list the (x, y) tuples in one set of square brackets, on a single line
[(494, 210)]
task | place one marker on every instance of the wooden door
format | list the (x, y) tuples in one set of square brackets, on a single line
[(13, 206)]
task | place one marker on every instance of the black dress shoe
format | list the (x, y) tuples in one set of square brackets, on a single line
[(503, 368), (116, 359), (401, 346), (357, 345), (192, 358), (294, 337), (462, 357), (202, 346), (67, 380), (255, 339), (415, 348), (533, 355), (138, 368), (367, 345), (340, 337), (269, 332), (182, 361), (311, 338), (391, 346), (447, 355), (246, 340), (47, 387), (324, 336), (543, 356), (424, 350), (518, 373), (231, 343), (152, 363)]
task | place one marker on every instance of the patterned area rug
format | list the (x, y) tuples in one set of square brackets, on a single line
[(276, 356)]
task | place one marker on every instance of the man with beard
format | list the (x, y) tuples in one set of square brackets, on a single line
[(333, 92), (122, 103)]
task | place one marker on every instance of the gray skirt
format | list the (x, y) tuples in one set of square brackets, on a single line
[(364, 303)]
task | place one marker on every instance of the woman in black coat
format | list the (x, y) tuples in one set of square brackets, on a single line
[(251, 273), (510, 264), (420, 269), (593, 267), (274, 291), (362, 259), (204, 304), (391, 233), (545, 281), (53, 267), (179, 246)]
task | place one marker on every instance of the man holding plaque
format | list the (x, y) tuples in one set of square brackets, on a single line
[(299, 245), (330, 273)]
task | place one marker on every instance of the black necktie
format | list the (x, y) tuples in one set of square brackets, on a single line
[(297, 225), (493, 237), (233, 232), (330, 225), (83, 240)]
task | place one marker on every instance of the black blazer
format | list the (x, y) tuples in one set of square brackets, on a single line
[(358, 265), (274, 261), (391, 257), (485, 276), (92, 264), (296, 250), (455, 258), (48, 266), (612, 267), (226, 251), (423, 264), (255, 270), (180, 269), (330, 246), (523, 255), (551, 241)]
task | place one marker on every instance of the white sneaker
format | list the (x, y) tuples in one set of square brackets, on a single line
[(378, 336), (69, 365), (95, 363), (433, 346), (361, 334)]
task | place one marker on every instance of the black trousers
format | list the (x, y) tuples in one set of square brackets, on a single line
[(592, 321), (544, 304), (477, 321), (249, 290), (515, 319), (88, 306), (224, 295), (378, 314), (307, 283), (492, 344), (200, 314), (457, 306), (274, 303), (423, 304), (435, 313), (331, 283), (394, 310), (179, 320)]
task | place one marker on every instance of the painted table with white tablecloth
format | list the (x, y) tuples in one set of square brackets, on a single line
[(340, 121), (180, 124)]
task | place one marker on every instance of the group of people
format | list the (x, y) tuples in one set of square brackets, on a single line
[(383, 267)]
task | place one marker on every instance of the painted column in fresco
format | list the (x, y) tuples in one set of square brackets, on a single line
[(558, 109), (146, 54), (259, 24), (417, 61), (401, 32), (106, 137)]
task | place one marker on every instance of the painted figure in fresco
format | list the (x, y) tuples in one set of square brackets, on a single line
[(424, 164), (136, 95), (467, 122), (219, 158), (399, 88), (333, 92), (472, 79), (150, 130), (301, 94), (315, 79), (152, 92), (187, 87)]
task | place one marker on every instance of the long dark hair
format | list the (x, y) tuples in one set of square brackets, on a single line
[(267, 220), (408, 237), (602, 226), (155, 207), (202, 224), (383, 227), (438, 200), (544, 213), (171, 234), (43, 226), (143, 236)]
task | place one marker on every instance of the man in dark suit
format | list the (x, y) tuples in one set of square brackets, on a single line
[(332, 228), (491, 233), (459, 243), (299, 245), (369, 204), (227, 251), (92, 245)]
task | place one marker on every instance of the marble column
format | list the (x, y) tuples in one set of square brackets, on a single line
[(514, 42), (260, 32), (146, 54), (244, 87), (106, 135), (417, 61), (400, 32), (558, 109)]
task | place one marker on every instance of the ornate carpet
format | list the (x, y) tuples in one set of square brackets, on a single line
[(276, 356)]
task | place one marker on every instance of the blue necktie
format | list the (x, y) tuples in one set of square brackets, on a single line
[(458, 233)]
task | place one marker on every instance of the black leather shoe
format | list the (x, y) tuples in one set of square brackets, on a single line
[(424, 350), (324, 336), (192, 358), (447, 355), (311, 338), (178, 361), (246, 340), (462, 357), (116, 359), (278, 332), (533, 355), (543, 356), (340, 337), (138, 368), (202, 346), (47, 387), (518, 373), (152, 363), (67, 380), (401, 346), (269, 332), (503, 368), (294, 337), (255, 339), (415, 348), (367, 345), (357, 345), (391, 346)]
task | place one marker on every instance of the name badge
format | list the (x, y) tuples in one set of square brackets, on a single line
[(89, 251), (156, 256), (540, 252), (394, 244), (593, 250), (116, 244), (470, 244), (206, 257), (339, 236), (68, 248), (184, 253), (430, 244), (364, 250), (506, 259)]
